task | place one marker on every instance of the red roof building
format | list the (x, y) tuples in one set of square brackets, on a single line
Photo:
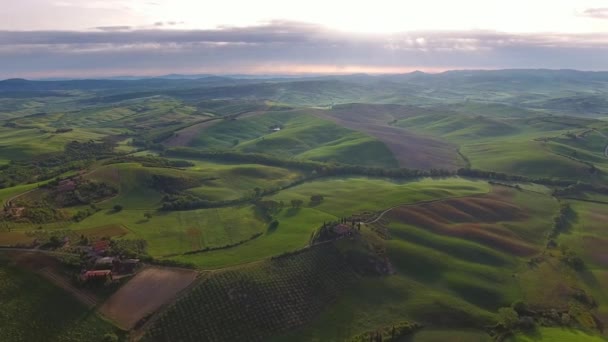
[(101, 246), (100, 274), (342, 229)]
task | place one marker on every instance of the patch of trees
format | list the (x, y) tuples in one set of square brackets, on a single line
[(41, 212), (129, 248), (85, 192), (570, 258), (561, 222), (268, 208), (474, 173), (508, 185), (76, 155), (149, 161), (185, 201), (579, 188), (396, 332), (296, 203), (316, 199), (83, 214), (208, 249), (63, 130), (520, 317), (512, 319)]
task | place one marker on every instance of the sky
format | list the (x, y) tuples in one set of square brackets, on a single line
[(105, 38)]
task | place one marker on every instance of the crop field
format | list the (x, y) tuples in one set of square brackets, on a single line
[(35, 310), (142, 296), (181, 231), (256, 301)]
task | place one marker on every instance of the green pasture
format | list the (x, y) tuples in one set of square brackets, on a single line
[(302, 135)]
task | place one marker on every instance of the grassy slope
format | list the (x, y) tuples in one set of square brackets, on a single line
[(303, 136), (19, 144), (441, 281), (344, 196), (509, 144), (35, 310), (588, 238), (237, 180)]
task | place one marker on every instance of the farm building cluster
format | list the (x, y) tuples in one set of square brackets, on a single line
[(102, 265)]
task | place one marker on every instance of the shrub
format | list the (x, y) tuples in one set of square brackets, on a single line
[(508, 318), (110, 337), (118, 207)]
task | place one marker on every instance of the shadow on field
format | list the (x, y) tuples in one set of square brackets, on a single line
[(292, 212)]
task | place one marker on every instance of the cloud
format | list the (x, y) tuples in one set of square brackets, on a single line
[(113, 28), (597, 13), (280, 46)]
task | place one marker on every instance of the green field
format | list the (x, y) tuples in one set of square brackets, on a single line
[(219, 174), (344, 196), (301, 135)]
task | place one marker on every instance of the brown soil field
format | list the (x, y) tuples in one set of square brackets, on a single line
[(185, 136), (15, 238), (472, 218), (410, 149), (110, 230), (595, 248), (148, 291)]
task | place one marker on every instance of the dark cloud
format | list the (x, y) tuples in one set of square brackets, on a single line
[(113, 28), (598, 13), (299, 46)]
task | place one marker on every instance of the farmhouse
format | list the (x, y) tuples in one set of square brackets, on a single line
[(125, 266), (104, 263), (96, 275), (342, 229), (101, 246)]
